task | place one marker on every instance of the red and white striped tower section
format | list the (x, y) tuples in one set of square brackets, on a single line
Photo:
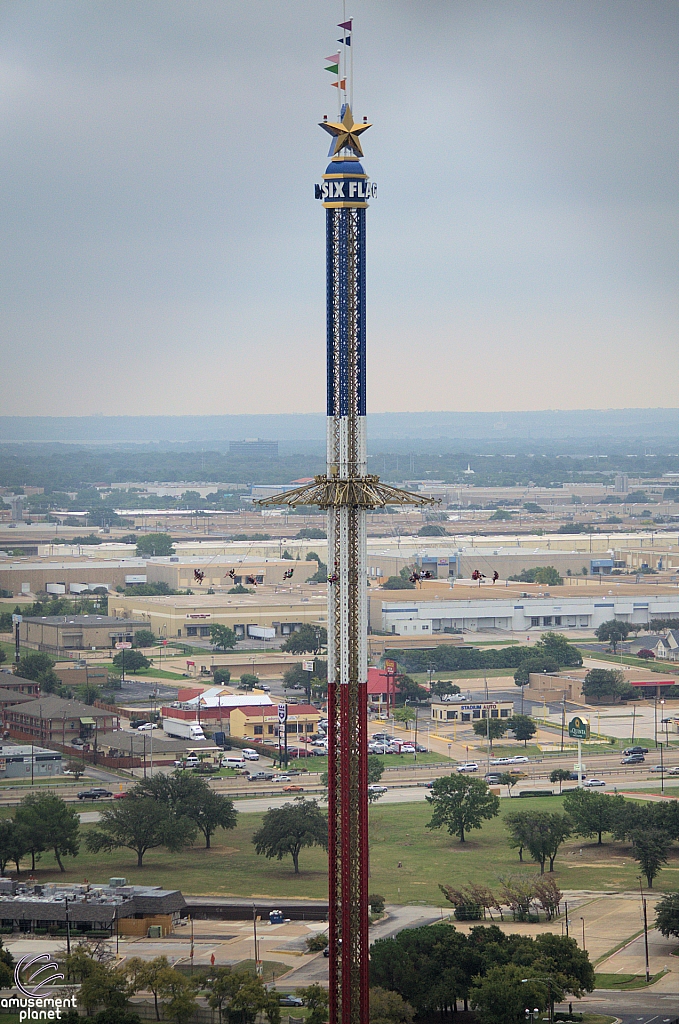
[(347, 491)]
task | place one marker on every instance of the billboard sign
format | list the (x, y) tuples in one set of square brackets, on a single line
[(578, 728), (282, 712), (307, 666)]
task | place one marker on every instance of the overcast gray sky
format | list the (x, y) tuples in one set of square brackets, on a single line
[(162, 251)]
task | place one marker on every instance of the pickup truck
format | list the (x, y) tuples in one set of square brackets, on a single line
[(260, 777)]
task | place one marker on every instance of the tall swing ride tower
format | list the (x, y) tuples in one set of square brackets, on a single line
[(346, 491)]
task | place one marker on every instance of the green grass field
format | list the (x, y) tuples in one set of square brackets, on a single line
[(397, 836), (626, 982)]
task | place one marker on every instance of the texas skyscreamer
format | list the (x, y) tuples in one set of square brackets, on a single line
[(347, 491)]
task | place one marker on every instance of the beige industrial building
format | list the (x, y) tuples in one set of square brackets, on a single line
[(280, 613), (178, 572), (78, 632), (67, 577)]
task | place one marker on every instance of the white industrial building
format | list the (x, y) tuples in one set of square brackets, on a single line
[(426, 616)]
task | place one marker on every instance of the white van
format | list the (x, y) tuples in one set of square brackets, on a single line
[(249, 754), (233, 762)]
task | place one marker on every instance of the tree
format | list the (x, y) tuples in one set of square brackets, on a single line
[(461, 804), (556, 645), (316, 1001), (155, 545), (286, 830), (190, 796), (492, 728), (144, 638), (6, 968), (612, 632), (604, 684), (441, 687), (221, 637), (560, 775), (523, 727), (49, 824), (147, 976), (6, 842), (221, 676), (375, 772), (180, 995), (517, 824), (546, 833), (432, 530), (540, 663), (40, 667), (408, 689), (132, 661), (248, 681), (389, 1007), (650, 849), (307, 639), (397, 583), (104, 985), (140, 824), (501, 995), (510, 779), (667, 915), (404, 714), (593, 814)]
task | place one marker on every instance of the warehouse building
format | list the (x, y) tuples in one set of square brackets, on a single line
[(188, 616), (77, 632), (437, 608)]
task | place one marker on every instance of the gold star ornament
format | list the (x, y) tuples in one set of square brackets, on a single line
[(346, 133)]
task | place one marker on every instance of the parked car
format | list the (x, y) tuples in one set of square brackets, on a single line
[(635, 750), (319, 751), (591, 783), (420, 748), (147, 727), (290, 1001), (376, 788), (408, 748), (94, 793), (77, 742), (136, 722), (293, 789), (468, 766), (633, 759)]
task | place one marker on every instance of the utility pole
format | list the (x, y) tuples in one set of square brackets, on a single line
[(648, 973)]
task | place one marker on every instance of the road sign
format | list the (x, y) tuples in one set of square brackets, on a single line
[(122, 645), (282, 712), (307, 666), (578, 728), (16, 619)]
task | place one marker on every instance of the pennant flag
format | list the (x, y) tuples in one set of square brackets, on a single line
[(335, 57), (347, 41), (346, 24), (334, 68), (342, 84)]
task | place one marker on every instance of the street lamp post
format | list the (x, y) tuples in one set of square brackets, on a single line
[(584, 947)]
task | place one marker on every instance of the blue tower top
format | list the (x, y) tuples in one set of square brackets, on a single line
[(345, 183)]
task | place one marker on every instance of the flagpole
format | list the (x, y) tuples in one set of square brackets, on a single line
[(344, 47)]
